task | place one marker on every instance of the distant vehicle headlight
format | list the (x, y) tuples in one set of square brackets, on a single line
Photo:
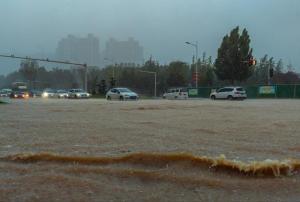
[(45, 94), (78, 95)]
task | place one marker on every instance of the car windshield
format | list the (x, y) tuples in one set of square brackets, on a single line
[(240, 89), (124, 90)]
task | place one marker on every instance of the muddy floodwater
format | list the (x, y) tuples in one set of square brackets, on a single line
[(150, 150)]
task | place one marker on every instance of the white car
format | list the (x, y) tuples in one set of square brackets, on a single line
[(121, 94), (176, 93), (5, 92), (48, 93), (78, 93), (229, 93), (62, 94)]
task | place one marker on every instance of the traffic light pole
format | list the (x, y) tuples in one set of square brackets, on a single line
[(84, 66)]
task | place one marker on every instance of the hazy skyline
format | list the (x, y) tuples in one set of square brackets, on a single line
[(29, 27)]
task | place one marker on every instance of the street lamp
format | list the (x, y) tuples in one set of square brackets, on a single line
[(155, 75), (196, 69)]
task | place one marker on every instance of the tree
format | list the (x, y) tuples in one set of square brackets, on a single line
[(93, 77), (261, 72), (177, 74), (290, 77), (233, 56), (279, 67), (29, 69), (205, 71)]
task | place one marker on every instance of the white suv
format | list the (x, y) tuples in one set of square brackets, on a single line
[(176, 93), (229, 93)]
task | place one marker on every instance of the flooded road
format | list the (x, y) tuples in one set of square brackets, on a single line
[(94, 150)]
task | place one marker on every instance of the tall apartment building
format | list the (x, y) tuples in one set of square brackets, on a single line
[(81, 50), (128, 51)]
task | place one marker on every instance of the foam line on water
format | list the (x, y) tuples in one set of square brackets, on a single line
[(221, 163)]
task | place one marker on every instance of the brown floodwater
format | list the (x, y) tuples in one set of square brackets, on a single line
[(198, 150)]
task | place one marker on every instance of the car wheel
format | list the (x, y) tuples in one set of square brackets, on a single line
[(213, 97), (230, 97), (175, 97), (108, 98), (121, 98)]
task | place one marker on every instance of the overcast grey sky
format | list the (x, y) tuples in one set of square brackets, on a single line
[(162, 26)]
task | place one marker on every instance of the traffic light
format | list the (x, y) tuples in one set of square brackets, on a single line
[(252, 62), (102, 86), (271, 72)]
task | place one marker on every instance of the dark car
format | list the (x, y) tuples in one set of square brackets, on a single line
[(35, 93), (19, 94)]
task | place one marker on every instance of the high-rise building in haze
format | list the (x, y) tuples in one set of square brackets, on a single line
[(128, 51), (81, 50)]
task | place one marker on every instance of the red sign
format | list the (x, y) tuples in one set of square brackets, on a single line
[(195, 76)]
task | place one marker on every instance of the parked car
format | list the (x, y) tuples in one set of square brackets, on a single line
[(78, 93), (229, 93), (121, 94), (48, 93), (19, 94), (62, 94), (176, 93)]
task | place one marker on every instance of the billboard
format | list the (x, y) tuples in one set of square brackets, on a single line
[(267, 90), (193, 92)]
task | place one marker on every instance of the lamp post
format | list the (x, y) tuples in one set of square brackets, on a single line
[(155, 75), (196, 69)]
